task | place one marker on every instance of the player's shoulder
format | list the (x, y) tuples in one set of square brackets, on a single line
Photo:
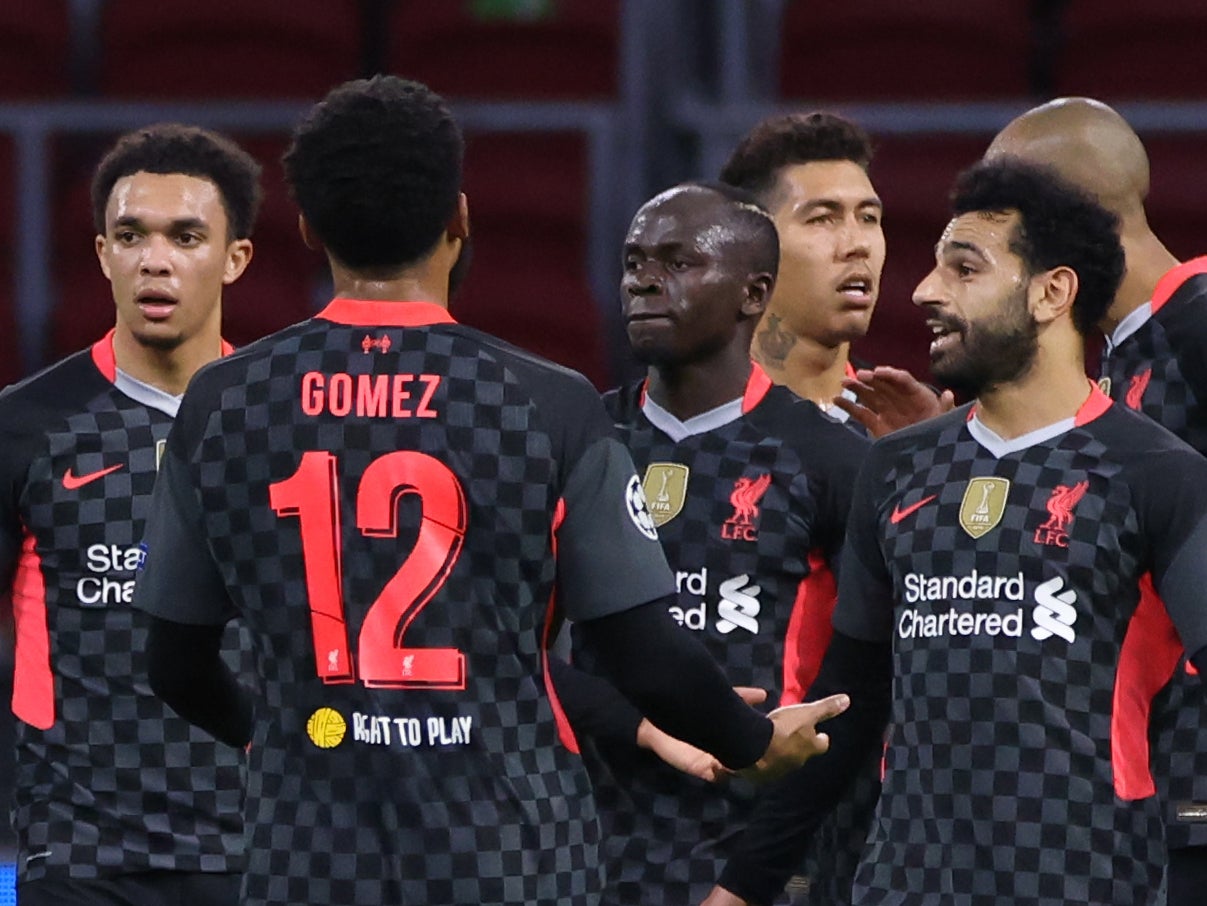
[(623, 403), (232, 369), (531, 370), (799, 422), (922, 435), (54, 392), (1132, 436)]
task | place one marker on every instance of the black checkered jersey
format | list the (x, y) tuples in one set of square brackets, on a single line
[(1159, 367), (751, 503), (1034, 592), (108, 779), (402, 508)]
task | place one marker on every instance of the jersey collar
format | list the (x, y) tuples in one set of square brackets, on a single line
[(378, 313), (106, 361), (757, 385), (1095, 405), (1174, 278)]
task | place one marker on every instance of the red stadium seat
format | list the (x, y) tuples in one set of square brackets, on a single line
[(1118, 49), (570, 53), (228, 48), (913, 175), (10, 348), (35, 49), (528, 213), (1177, 199), (925, 50)]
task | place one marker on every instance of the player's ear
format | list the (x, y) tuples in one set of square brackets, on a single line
[(100, 256), (308, 235), (758, 292), (238, 256), (458, 224), (1051, 293)]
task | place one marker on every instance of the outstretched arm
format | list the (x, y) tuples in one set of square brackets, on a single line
[(789, 811), (595, 708), (186, 670), (671, 678)]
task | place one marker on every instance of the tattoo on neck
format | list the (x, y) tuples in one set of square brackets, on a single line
[(774, 342)]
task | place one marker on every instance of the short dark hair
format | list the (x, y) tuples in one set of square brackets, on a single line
[(793, 138), (376, 169), (176, 148), (1059, 225), (753, 218)]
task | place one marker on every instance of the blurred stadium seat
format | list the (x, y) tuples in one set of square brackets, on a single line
[(528, 214), (928, 50), (35, 49), (153, 49), (1119, 49), (568, 52), (1177, 200)]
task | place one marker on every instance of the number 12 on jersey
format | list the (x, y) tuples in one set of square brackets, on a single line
[(312, 494)]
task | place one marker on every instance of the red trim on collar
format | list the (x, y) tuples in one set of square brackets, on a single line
[(757, 386), (1174, 278), (378, 313), (106, 361), (103, 357), (1096, 404), (850, 370), (643, 394)]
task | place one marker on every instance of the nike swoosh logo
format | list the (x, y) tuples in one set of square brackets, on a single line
[(898, 514), (73, 482)]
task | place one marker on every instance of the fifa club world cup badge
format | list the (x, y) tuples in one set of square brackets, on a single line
[(665, 488), (983, 505)]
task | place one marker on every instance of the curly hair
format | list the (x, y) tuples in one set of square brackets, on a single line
[(375, 168), (794, 138), (1059, 225), (165, 148)]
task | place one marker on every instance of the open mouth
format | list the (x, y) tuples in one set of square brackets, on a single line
[(857, 289), (156, 306), (944, 334)]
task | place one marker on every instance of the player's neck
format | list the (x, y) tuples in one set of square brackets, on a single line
[(809, 368), (1053, 390), (686, 391), (1148, 260), (423, 282), (169, 370)]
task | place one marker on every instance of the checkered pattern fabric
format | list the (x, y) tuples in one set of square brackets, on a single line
[(115, 782), (1160, 368), (666, 835), (414, 786), (1000, 785)]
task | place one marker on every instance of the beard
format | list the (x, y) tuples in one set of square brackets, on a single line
[(160, 343), (991, 353)]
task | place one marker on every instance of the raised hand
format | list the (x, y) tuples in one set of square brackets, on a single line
[(889, 398)]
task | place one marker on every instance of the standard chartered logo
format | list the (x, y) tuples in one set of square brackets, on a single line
[(1054, 611), (738, 606)]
